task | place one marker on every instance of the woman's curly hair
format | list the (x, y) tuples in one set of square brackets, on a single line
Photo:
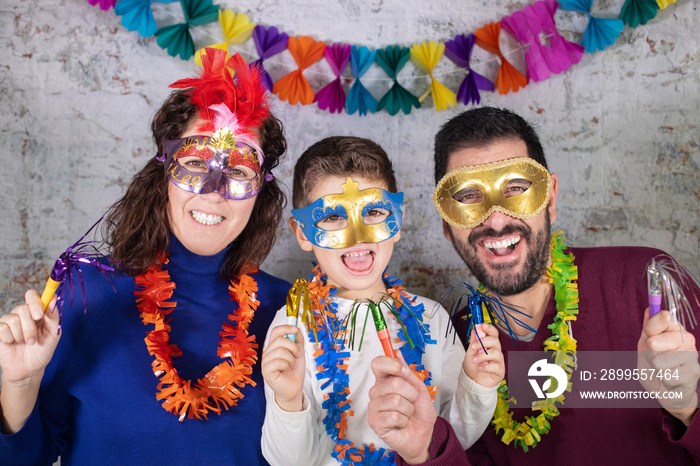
[(137, 229)]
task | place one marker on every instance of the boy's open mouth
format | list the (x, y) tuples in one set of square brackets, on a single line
[(358, 262)]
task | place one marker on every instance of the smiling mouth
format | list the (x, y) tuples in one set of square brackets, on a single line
[(503, 247), (204, 219), (358, 262)]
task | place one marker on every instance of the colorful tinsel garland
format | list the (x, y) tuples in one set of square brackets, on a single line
[(527, 434), (221, 387), (332, 362)]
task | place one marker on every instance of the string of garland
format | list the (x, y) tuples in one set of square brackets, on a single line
[(332, 360), (221, 387), (526, 26), (528, 433)]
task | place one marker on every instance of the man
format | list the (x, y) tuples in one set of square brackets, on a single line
[(498, 207)]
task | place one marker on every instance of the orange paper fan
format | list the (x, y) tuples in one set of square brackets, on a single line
[(509, 78), (294, 87)]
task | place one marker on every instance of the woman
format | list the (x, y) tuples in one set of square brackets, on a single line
[(187, 238)]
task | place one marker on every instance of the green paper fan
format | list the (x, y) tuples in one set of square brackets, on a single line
[(636, 12), (176, 38), (392, 59)]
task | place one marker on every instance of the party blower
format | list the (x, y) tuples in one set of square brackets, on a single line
[(298, 302), (667, 279), (67, 270), (382, 330)]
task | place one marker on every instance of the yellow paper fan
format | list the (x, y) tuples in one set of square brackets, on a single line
[(426, 56), (236, 29)]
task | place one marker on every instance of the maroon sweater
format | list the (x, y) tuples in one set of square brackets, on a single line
[(612, 299)]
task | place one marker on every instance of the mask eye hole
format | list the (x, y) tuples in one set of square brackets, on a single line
[(193, 164), (332, 223), (376, 216), (240, 173), (469, 196), (331, 218), (515, 187)]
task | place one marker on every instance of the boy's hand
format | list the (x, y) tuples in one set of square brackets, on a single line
[(400, 410), (485, 369), (283, 367)]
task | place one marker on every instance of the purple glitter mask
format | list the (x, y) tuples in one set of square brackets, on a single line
[(223, 163)]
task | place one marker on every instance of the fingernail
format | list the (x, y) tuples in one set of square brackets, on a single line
[(475, 359), (31, 341), (482, 334), (484, 363), (481, 350)]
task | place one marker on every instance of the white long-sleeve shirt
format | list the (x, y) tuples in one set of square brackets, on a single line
[(300, 438)]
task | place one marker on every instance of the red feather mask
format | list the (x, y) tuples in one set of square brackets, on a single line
[(231, 82)]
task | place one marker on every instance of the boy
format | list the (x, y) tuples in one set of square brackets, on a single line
[(348, 212)]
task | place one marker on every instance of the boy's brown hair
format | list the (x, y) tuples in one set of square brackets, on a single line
[(340, 156)]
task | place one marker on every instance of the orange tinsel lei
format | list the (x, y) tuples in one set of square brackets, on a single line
[(219, 388)]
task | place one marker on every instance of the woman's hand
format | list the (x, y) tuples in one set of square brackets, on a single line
[(283, 367), (28, 339)]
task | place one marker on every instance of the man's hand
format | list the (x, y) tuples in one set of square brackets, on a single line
[(663, 346), (400, 410)]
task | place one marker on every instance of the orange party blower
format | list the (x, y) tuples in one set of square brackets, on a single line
[(382, 331)]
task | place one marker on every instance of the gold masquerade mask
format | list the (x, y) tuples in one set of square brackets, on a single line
[(466, 196), (339, 221)]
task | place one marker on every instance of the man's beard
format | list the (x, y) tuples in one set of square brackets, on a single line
[(502, 279)]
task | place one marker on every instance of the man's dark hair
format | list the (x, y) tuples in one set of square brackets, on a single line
[(480, 127)]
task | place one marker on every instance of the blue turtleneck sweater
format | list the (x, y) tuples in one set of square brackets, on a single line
[(97, 403)]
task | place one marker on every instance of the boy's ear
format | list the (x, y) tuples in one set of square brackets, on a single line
[(304, 243), (397, 236)]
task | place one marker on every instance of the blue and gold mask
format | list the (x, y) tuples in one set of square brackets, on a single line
[(339, 221)]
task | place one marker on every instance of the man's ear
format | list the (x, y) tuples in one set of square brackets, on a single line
[(553, 192), (304, 243), (446, 231)]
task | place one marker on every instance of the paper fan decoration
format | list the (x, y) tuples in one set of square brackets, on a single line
[(600, 32), (235, 29), (664, 3), (293, 86), (636, 12), (459, 50), (268, 42), (527, 26), (332, 96), (509, 78), (176, 38), (138, 16), (426, 56), (359, 98), (104, 4), (392, 59)]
